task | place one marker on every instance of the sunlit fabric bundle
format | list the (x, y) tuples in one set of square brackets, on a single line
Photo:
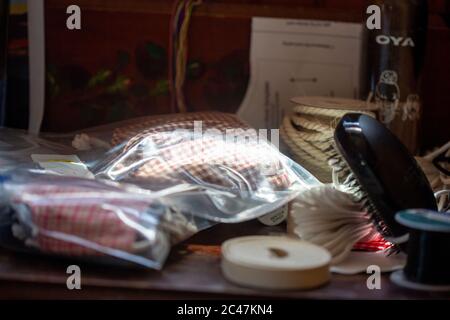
[(232, 171), (89, 219), (211, 149), (170, 122)]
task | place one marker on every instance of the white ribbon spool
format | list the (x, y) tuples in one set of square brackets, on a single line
[(272, 262)]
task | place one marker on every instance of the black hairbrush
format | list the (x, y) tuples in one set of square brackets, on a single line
[(373, 165)]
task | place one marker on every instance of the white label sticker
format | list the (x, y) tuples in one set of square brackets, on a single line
[(66, 165), (276, 217)]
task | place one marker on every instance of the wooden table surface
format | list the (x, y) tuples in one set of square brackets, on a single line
[(192, 271)]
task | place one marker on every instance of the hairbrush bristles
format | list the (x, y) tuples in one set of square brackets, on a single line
[(345, 181), (332, 219), (370, 163)]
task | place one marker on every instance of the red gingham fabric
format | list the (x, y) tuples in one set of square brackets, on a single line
[(170, 122), (210, 159), (70, 211)]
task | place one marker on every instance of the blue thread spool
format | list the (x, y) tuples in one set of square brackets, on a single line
[(428, 263)]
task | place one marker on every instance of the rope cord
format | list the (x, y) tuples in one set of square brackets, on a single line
[(308, 133), (178, 51), (439, 180)]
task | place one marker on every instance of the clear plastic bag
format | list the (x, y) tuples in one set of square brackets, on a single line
[(17, 146), (236, 174), (89, 219), (150, 181), (233, 173)]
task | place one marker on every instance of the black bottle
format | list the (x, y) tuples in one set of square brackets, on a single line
[(394, 57)]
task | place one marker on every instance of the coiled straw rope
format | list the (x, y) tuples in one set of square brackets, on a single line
[(308, 134), (308, 131)]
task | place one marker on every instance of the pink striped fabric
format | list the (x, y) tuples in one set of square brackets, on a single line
[(62, 216)]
